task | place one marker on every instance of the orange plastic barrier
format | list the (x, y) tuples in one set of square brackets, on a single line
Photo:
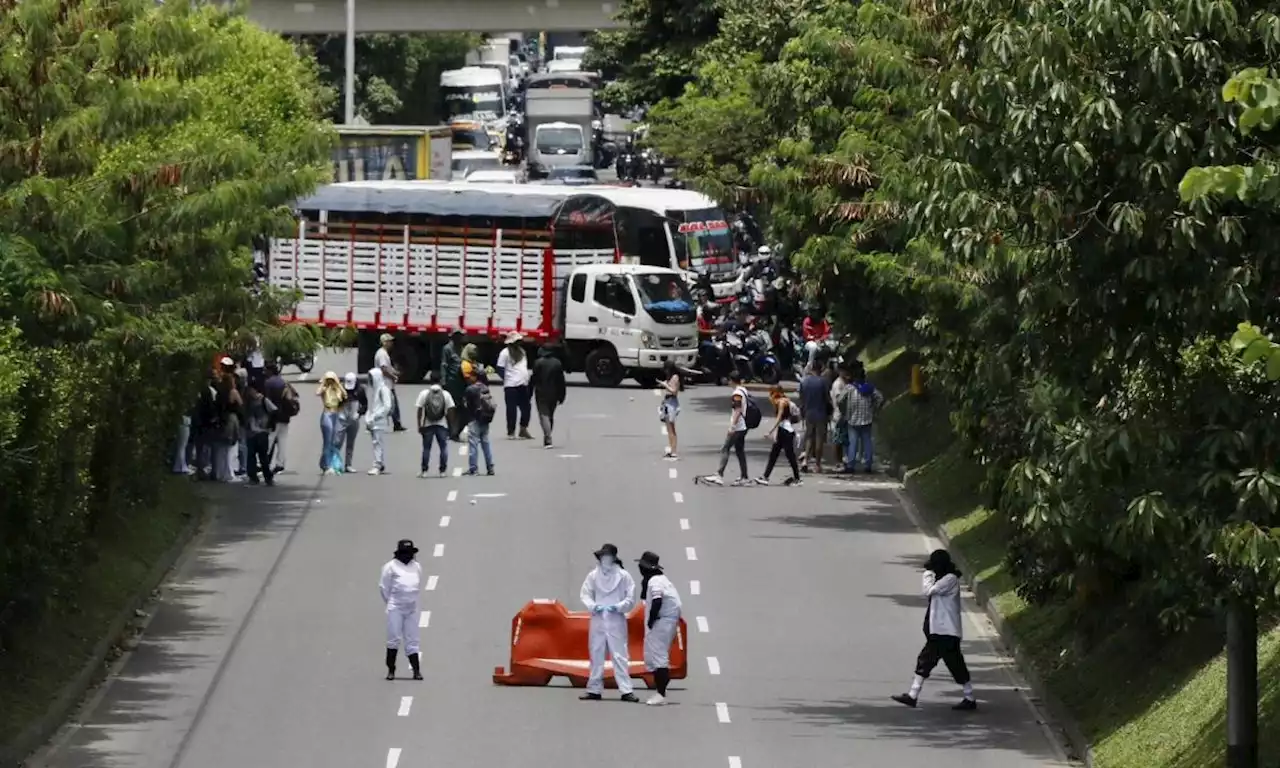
[(549, 640)]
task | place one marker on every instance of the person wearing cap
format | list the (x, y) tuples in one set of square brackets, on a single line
[(451, 377), (382, 360), (400, 586), (662, 620), (940, 583), (353, 407), (609, 594), (513, 367)]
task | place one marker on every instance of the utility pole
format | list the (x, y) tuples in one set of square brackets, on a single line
[(1242, 682), (349, 83)]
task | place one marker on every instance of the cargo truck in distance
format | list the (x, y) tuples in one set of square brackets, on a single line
[(420, 260), (558, 128)]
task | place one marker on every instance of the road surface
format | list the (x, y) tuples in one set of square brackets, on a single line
[(267, 650)]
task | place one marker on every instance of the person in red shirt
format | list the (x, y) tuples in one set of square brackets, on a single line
[(815, 329)]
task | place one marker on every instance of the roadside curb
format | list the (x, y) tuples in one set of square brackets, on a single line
[(755, 386), (1080, 751), (69, 699)]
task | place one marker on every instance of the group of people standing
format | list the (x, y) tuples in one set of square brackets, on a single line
[(838, 408)]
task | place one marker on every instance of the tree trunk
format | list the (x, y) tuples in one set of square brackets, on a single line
[(1242, 684)]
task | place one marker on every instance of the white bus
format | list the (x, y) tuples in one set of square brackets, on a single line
[(474, 91)]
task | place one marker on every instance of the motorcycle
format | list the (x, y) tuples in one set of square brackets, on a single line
[(753, 357), (628, 166), (302, 361), (714, 363)]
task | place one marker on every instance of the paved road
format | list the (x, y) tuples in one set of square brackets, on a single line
[(267, 649)]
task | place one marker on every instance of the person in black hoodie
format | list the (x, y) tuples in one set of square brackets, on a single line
[(549, 389), (942, 630)]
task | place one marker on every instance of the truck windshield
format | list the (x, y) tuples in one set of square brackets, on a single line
[(702, 241), (665, 297), (472, 100), (550, 140)]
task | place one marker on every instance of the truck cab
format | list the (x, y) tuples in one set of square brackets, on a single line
[(627, 320)]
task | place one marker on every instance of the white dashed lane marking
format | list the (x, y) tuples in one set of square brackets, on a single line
[(444, 521), (438, 551), (431, 583), (735, 762), (702, 624), (722, 712), (424, 620), (690, 553), (684, 523), (457, 472), (695, 587), (678, 496), (393, 757), (713, 665), (453, 496), (671, 473), (406, 702)]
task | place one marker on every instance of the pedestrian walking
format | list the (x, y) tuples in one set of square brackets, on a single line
[(672, 384), (378, 420), (861, 402), (400, 585), (549, 389), (609, 594), (354, 406), (742, 415), (815, 410), (480, 408), (662, 620), (332, 395), (433, 407), (940, 583), (783, 433), (382, 360), (453, 381), (257, 427), (513, 367)]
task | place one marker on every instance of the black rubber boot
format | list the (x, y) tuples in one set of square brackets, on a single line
[(413, 662), (391, 663)]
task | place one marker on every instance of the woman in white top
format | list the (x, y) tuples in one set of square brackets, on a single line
[(662, 621), (943, 629), (784, 436), (513, 366), (400, 585)]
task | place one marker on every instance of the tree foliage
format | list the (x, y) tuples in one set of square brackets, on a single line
[(655, 55), (397, 76), (144, 149)]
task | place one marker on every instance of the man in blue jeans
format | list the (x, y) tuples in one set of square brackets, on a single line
[(480, 408), (434, 407), (861, 402)]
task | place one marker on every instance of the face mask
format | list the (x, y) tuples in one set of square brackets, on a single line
[(404, 557)]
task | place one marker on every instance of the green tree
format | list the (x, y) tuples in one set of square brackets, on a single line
[(397, 76)]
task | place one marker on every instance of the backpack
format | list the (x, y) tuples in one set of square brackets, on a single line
[(485, 409), (290, 406), (433, 409), (752, 413)]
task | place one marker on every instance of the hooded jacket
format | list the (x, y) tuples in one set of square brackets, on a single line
[(548, 378), (379, 416)]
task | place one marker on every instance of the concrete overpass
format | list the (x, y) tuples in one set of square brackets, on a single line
[(301, 17)]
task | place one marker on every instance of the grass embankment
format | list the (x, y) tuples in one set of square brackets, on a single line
[(46, 655), (1141, 703)]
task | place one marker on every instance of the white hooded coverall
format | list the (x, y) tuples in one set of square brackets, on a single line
[(400, 585), (608, 631), (378, 418)]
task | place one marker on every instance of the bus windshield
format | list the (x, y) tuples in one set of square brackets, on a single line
[(462, 100), (702, 241)]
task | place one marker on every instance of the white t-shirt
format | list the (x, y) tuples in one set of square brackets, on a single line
[(400, 585), (382, 358), (513, 375), (661, 587), (448, 404), (741, 424)]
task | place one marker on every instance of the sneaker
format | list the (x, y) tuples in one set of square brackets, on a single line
[(422, 473), (714, 479), (374, 471), (472, 472), (524, 435), (590, 697), (351, 468), (656, 700), (631, 697), (444, 471), (489, 471), (666, 451), (277, 470), (966, 705), (511, 435), (743, 481), (904, 698), (547, 444), (762, 480), (672, 457)]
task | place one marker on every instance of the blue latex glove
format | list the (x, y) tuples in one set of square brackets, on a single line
[(598, 609), (612, 609)]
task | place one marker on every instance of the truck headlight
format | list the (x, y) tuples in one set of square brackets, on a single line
[(648, 340)]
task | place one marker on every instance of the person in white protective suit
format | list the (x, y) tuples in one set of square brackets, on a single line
[(609, 593), (400, 585), (378, 419), (662, 620)]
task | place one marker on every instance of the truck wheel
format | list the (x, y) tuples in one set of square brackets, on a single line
[(603, 369), (647, 380)]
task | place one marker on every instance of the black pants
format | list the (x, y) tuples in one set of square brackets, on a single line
[(736, 442), (783, 442), (517, 400), (259, 449), (944, 648), (547, 416), (395, 410)]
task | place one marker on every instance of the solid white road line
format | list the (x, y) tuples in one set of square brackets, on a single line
[(406, 702), (424, 620), (457, 471), (438, 551), (393, 757), (431, 583), (444, 521), (735, 762), (671, 473), (702, 624), (695, 587), (453, 496), (722, 712), (570, 455), (684, 523), (713, 665), (678, 496), (487, 495), (690, 553)]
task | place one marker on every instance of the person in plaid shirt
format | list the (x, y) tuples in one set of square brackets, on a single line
[(858, 408)]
